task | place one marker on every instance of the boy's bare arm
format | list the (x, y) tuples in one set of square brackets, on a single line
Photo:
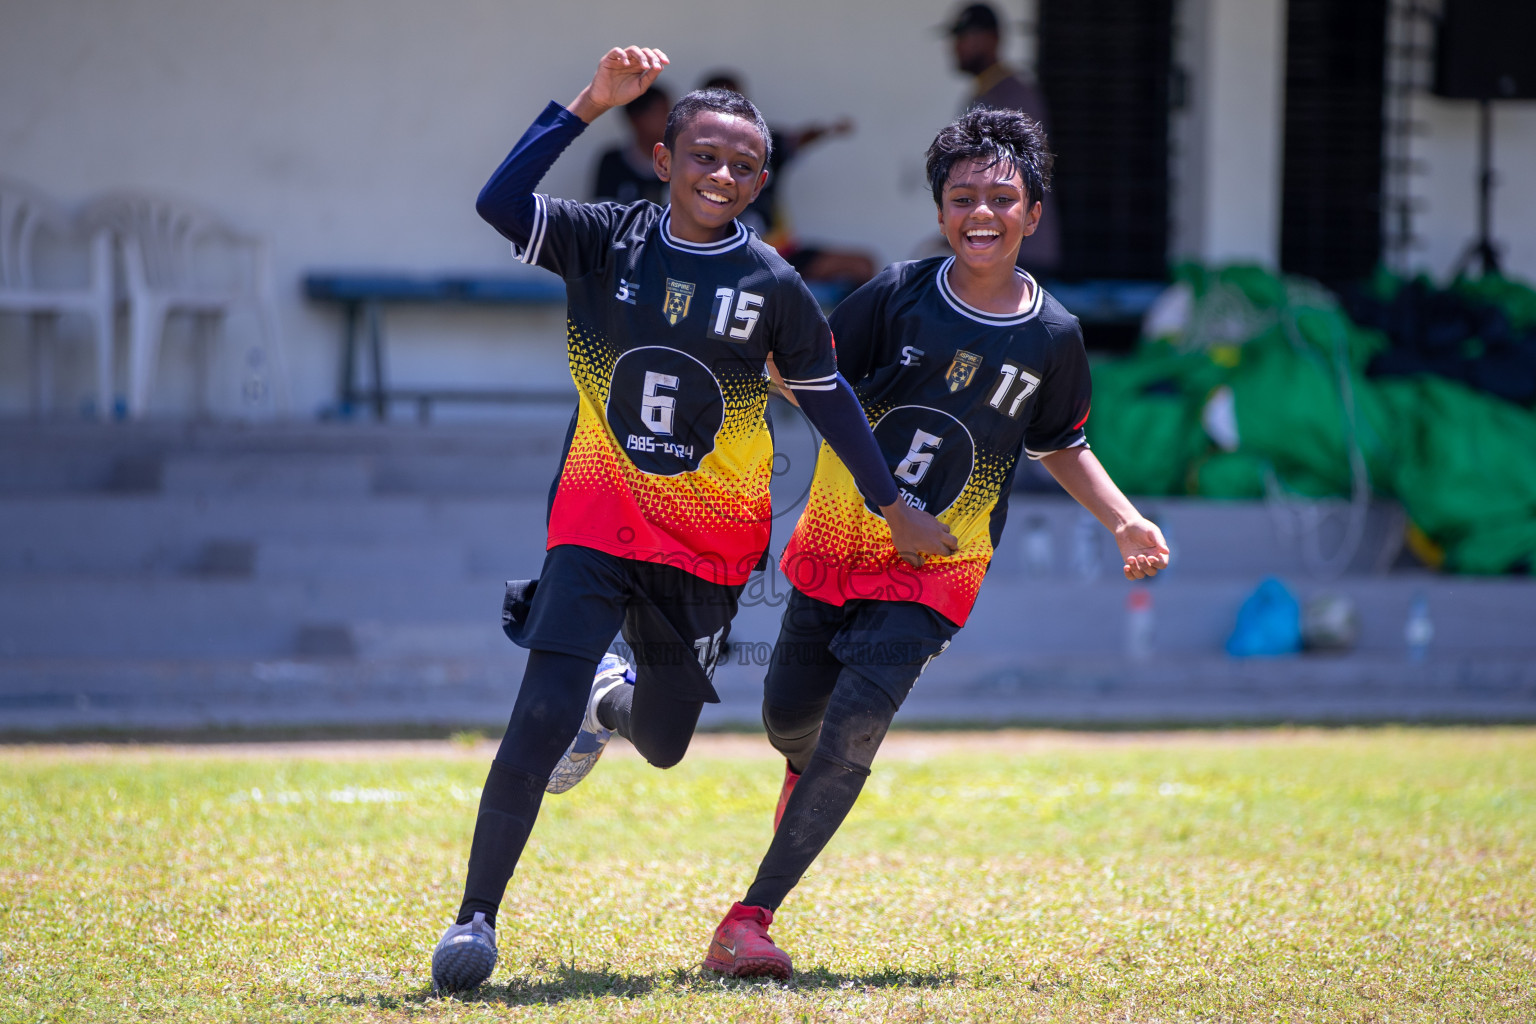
[(1141, 543), (622, 75)]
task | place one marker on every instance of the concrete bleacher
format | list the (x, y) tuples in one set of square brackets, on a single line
[(163, 578)]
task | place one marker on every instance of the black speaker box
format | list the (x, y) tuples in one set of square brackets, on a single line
[(1486, 50)]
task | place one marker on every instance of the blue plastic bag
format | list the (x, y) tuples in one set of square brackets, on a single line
[(1268, 623)]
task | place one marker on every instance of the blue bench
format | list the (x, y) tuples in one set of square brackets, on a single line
[(1105, 300), (362, 298)]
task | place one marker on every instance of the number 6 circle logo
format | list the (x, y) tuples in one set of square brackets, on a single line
[(665, 409), (931, 454)]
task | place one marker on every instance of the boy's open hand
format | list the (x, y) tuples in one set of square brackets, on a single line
[(1143, 548), (622, 75), (917, 535)]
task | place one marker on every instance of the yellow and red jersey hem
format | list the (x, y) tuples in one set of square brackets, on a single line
[(948, 587)]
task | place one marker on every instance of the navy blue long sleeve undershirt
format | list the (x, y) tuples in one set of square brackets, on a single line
[(506, 203), (840, 418)]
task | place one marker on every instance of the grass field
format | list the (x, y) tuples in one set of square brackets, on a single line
[(1258, 876)]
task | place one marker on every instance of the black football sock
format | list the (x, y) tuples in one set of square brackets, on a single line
[(550, 703), (825, 794), (856, 722), (613, 711), (508, 806)]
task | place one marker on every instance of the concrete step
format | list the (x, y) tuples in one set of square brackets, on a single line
[(159, 535), (349, 575), (267, 617), (325, 477), (1054, 538), (1048, 536), (224, 618), (1471, 616), (416, 560), (149, 697), (218, 482), (85, 458), (325, 500)]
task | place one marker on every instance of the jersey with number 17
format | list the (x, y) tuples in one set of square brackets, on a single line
[(669, 458), (955, 395)]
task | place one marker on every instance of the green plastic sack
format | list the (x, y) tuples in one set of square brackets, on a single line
[(1515, 298), (1292, 414), (1465, 471), (1229, 475), (1145, 425), (1462, 463)]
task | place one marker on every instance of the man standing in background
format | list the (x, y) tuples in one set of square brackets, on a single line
[(767, 215), (976, 34)]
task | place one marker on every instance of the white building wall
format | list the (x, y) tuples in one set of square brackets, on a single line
[(1445, 186), (1229, 139), (1229, 156), (356, 133)]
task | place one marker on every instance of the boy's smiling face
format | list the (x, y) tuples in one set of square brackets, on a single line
[(714, 171), (985, 213)]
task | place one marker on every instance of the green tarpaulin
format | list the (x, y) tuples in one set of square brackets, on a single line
[(1259, 387)]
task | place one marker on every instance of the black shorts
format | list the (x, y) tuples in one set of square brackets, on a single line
[(887, 642), (673, 622)]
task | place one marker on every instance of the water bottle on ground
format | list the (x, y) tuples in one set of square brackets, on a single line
[(1419, 630), (1038, 548), (1087, 558), (1138, 624)]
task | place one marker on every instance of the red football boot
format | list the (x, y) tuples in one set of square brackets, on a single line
[(790, 778), (741, 947)]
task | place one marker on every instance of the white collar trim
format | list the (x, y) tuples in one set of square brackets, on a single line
[(731, 241), (980, 315)]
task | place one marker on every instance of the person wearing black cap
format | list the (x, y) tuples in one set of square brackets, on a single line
[(976, 33)]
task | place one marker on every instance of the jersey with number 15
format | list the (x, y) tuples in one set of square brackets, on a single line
[(669, 457)]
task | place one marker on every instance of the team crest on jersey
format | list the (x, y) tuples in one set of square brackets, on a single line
[(961, 370), (679, 298)]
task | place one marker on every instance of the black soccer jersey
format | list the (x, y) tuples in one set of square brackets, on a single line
[(670, 458), (954, 394)]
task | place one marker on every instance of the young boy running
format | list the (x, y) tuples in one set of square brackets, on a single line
[(962, 363), (661, 507)]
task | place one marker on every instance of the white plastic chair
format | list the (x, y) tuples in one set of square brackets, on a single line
[(178, 259), (28, 288)]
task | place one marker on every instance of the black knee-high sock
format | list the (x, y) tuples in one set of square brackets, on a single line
[(547, 714), (508, 806), (856, 721), (613, 711)]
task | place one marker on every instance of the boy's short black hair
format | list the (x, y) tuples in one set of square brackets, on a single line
[(721, 101), (645, 101), (998, 137)]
